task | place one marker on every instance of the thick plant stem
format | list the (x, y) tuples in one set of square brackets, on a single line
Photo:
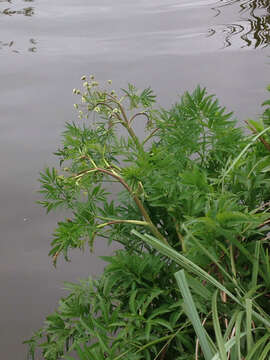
[(262, 140), (135, 198), (138, 203), (133, 136)]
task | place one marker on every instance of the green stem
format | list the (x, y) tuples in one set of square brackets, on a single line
[(262, 140), (112, 222), (135, 198), (138, 114), (153, 342), (150, 136), (242, 153), (125, 122), (233, 262), (111, 108), (180, 237), (134, 137)]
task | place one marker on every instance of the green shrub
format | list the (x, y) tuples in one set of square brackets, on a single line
[(195, 195)]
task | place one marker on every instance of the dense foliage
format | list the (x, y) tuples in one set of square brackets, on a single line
[(193, 195)]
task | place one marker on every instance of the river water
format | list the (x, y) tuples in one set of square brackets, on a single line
[(45, 47)]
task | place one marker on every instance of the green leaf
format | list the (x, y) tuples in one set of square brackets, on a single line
[(219, 337), (228, 346), (264, 352), (248, 324), (260, 343), (258, 125), (255, 268), (184, 262), (162, 322), (243, 152), (195, 269), (193, 314), (132, 302)]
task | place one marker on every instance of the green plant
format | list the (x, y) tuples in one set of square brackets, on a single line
[(194, 195)]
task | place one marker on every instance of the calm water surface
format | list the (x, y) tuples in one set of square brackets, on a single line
[(45, 47)]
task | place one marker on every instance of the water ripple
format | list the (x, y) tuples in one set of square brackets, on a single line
[(253, 27), (173, 27)]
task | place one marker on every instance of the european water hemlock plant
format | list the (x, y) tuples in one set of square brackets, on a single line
[(192, 280)]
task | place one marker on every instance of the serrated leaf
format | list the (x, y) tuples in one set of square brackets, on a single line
[(162, 322)]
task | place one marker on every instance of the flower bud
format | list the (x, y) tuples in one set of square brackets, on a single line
[(83, 78)]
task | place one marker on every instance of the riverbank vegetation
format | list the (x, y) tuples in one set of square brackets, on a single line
[(192, 280)]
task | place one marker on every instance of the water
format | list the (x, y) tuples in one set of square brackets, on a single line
[(45, 47)]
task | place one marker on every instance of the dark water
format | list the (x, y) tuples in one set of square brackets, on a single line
[(45, 47)]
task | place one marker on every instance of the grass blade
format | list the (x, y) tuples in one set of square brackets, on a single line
[(228, 346), (248, 323), (255, 268), (265, 352), (208, 254), (184, 262), (255, 138), (219, 337), (230, 325), (195, 269), (238, 334), (192, 314), (256, 346)]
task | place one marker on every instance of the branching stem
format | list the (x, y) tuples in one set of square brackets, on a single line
[(134, 196), (126, 123), (150, 136), (138, 114), (262, 140)]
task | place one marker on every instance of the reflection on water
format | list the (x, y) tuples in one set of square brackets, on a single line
[(11, 45), (253, 28), (28, 11), (33, 44), (13, 10)]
